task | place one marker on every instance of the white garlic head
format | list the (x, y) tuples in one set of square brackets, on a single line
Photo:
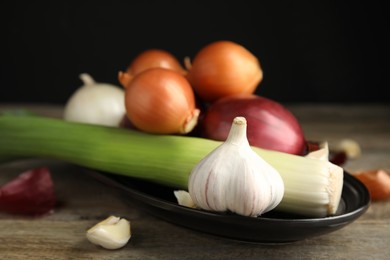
[(234, 178), (96, 103)]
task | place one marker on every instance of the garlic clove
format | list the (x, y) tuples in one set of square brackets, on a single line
[(234, 178), (111, 233), (184, 198), (350, 147)]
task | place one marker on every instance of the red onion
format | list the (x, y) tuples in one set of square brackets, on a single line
[(270, 125), (30, 193)]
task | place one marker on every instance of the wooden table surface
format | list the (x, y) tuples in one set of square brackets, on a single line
[(84, 201)]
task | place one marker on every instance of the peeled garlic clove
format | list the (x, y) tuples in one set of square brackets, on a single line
[(234, 178), (350, 147), (184, 198), (111, 233)]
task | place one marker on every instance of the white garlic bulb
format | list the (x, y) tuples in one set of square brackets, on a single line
[(96, 103), (234, 178)]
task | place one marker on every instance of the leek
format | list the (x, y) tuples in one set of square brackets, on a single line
[(312, 186)]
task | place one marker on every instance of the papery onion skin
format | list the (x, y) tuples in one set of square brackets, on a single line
[(377, 182), (161, 101), (151, 58), (224, 68), (270, 125)]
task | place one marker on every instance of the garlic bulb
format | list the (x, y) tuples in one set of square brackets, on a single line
[(96, 103), (234, 178)]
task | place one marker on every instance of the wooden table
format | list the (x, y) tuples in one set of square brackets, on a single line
[(83, 201)]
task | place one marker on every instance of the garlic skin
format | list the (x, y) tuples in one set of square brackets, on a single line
[(234, 178), (111, 233), (96, 103)]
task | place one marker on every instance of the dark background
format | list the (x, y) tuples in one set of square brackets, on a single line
[(310, 51)]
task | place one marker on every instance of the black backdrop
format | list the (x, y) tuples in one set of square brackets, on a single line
[(310, 51)]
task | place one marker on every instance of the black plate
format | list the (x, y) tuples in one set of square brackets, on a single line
[(272, 227)]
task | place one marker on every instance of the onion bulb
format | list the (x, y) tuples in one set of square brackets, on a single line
[(96, 103), (224, 68), (161, 101), (270, 125), (152, 58)]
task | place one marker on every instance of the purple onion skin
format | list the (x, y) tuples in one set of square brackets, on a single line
[(270, 125)]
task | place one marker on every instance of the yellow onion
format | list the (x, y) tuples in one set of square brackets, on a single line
[(152, 58), (161, 101), (224, 68)]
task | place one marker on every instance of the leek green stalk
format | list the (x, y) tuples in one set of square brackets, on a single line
[(312, 186)]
